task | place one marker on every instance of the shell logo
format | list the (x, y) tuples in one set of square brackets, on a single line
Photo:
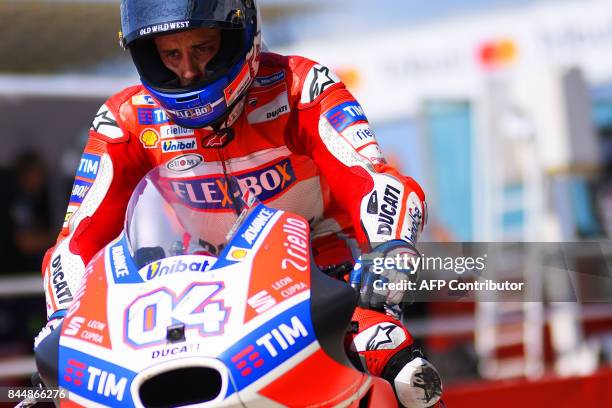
[(238, 253), (149, 138), (497, 53)]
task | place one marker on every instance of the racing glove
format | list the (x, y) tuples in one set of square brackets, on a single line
[(55, 320), (382, 276)]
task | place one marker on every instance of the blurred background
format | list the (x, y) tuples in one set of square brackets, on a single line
[(502, 110)]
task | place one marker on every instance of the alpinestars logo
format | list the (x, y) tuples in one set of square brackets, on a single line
[(320, 82), (105, 123), (381, 337), (218, 139)]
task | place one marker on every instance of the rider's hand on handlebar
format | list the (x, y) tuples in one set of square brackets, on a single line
[(54, 321), (382, 276)]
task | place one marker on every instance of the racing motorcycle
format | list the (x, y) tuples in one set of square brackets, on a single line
[(176, 311)]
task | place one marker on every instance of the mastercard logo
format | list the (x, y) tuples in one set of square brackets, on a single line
[(149, 138), (499, 53)]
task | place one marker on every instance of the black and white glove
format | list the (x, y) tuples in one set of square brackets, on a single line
[(54, 321), (382, 276)]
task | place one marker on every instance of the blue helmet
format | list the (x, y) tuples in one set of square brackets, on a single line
[(229, 74)]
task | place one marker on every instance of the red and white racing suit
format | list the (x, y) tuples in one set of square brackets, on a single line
[(301, 143)]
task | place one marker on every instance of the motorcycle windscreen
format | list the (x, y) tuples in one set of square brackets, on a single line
[(182, 212)]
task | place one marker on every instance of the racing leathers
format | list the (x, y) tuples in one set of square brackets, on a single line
[(299, 141)]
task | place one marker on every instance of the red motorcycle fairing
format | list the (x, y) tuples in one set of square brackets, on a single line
[(291, 342)]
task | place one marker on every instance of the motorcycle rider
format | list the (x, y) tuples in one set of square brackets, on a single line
[(285, 126)]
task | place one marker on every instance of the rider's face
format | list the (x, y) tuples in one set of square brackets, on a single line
[(188, 52)]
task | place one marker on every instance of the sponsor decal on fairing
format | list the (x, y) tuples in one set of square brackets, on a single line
[(269, 345), (171, 351), (261, 301), (200, 307), (296, 244), (122, 265), (91, 331), (236, 253), (94, 379), (177, 264), (245, 238), (288, 287), (257, 224)]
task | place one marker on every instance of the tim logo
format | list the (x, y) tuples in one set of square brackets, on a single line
[(247, 360), (150, 116), (88, 166), (75, 372), (95, 380), (215, 193), (344, 115)]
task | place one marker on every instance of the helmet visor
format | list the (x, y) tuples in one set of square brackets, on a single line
[(147, 18)]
